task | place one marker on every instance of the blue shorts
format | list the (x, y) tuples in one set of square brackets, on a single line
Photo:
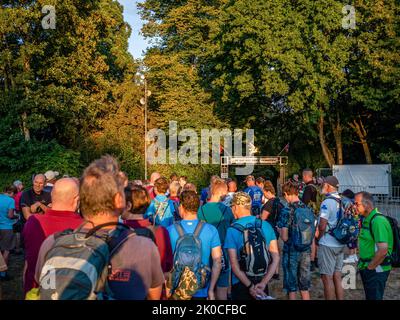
[(224, 277), (296, 270)]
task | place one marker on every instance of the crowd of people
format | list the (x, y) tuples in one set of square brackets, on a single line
[(103, 236)]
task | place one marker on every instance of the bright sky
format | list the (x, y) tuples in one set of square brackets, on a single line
[(137, 44)]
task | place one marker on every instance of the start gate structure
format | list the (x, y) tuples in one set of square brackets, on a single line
[(281, 161)]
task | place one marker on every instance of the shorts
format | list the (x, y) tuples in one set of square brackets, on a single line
[(296, 270), (330, 259), (7, 240), (223, 280)]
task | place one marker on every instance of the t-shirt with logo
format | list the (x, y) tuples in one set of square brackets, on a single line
[(165, 217), (256, 196), (330, 211), (209, 240), (6, 204), (234, 238), (367, 245)]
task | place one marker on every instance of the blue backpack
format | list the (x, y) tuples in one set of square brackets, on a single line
[(347, 227), (302, 228)]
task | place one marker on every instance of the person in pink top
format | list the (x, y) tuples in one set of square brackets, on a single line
[(62, 216)]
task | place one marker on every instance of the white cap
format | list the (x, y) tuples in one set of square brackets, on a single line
[(50, 175)]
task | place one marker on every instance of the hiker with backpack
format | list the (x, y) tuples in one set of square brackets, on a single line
[(101, 259), (220, 216), (310, 195), (330, 250), (253, 251), (137, 202), (271, 212), (61, 216), (348, 204), (194, 243), (255, 193), (379, 247), (297, 225), (161, 209)]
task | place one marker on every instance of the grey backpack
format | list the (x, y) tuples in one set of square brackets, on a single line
[(78, 264)]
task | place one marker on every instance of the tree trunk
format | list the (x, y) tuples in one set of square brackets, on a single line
[(358, 127), (25, 128), (325, 149), (337, 133)]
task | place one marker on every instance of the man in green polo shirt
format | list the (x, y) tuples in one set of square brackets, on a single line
[(375, 248)]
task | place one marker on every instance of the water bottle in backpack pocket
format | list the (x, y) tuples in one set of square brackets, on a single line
[(255, 257), (189, 274), (302, 228)]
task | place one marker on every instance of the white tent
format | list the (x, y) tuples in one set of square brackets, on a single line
[(376, 178)]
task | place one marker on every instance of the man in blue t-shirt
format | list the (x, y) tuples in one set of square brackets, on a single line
[(210, 242), (7, 220), (161, 209), (243, 286), (255, 193)]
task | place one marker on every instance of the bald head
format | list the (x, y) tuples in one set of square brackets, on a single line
[(65, 195), (154, 176)]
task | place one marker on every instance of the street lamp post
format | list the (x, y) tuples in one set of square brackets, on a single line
[(144, 102)]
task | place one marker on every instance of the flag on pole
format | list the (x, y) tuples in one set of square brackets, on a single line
[(286, 149)]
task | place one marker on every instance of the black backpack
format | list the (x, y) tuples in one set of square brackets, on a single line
[(394, 258), (255, 257)]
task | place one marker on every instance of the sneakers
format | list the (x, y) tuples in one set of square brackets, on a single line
[(351, 259)]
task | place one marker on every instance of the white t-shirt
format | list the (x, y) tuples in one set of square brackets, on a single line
[(329, 211)]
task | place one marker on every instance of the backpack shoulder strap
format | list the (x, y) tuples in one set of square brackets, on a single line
[(114, 243), (198, 229), (222, 216), (179, 229), (202, 211), (238, 227), (370, 224), (258, 224)]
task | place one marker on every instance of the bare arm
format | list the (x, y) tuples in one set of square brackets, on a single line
[(26, 211), (265, 214), (154, 293), (379, 255), (11, 214), (273, 249), (323, 223), (216, 254), (239, 273), (284, 234)]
